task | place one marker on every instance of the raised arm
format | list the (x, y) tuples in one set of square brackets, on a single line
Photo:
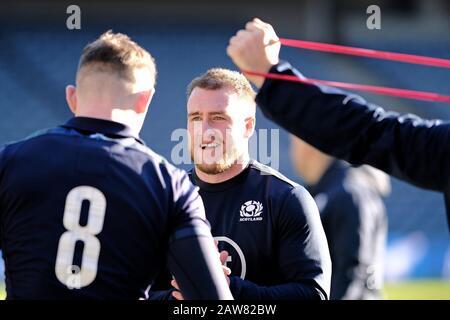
[(343, 124)]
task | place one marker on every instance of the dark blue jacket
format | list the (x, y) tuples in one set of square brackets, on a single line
[(347, 127), (355, 223)]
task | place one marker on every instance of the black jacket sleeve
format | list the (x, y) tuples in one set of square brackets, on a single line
[(345, 243), (303, 256), (347, 127), (353, 223)]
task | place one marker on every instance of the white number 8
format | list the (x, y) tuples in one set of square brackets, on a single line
[(64, 267)]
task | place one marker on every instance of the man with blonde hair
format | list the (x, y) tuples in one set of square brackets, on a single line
[(268, 228), (87, 210)]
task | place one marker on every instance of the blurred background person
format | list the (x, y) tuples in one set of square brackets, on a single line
[(350, 201)]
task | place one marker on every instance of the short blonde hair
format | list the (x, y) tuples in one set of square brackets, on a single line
[(219, 78), (118, 53)]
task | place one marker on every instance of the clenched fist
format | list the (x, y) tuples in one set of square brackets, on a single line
[(255, 48)]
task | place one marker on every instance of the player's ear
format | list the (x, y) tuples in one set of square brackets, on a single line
[(71, 98), (250, 123), (143, 100)]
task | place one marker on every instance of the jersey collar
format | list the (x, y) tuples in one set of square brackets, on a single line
[(106, 127), (221, 186)]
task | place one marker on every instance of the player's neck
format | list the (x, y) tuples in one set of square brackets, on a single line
[(316, 170), (233, 171)]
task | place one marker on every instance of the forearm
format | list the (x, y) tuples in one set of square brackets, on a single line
[(160, 295), (325, 117), (247, 290), (199, 273)]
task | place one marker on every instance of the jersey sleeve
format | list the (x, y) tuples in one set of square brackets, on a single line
[(303, 256), (192, 255), (303, 249), (347, 127)]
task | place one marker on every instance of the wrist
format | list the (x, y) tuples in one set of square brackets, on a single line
[(258, 81)]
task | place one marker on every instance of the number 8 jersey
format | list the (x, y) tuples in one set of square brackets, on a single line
[(88, 211)]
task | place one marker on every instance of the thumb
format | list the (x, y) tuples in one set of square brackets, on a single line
[(223, 256)]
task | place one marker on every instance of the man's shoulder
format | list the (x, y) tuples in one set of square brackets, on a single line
[(150, 154), (10, 147), (31, 137), (279, 187), (160, 161), (290, 200), (40, 139), (269, 173)]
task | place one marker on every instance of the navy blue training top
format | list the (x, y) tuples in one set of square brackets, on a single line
[(88, 211), (271, 228)]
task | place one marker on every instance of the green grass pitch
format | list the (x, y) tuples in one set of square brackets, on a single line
[(409, 290)]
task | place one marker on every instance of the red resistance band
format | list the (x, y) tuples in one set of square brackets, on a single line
[(414, 59), (325, 47)]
